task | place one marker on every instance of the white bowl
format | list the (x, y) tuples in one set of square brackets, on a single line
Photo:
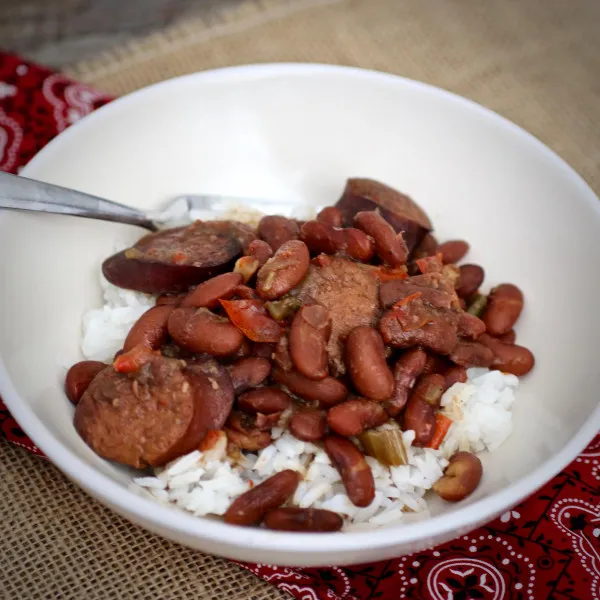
[(299, 131)]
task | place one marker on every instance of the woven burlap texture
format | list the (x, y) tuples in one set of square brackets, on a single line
[(535, 62)]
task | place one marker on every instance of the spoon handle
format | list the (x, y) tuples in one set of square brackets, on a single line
[(20, 193)]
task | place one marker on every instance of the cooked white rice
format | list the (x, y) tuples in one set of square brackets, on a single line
[(207, 483)]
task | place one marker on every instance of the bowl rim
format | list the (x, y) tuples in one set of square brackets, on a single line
[(161, 517)]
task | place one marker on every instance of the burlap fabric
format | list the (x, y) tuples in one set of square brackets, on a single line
[(536, 62)]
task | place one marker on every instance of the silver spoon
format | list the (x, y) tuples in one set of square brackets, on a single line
[(20, 193)]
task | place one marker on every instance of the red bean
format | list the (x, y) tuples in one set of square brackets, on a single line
[(249, 372), (277, 230), (309, 335), (352, 417), (150, 329), (209, 293), (308, 424), (264, 400), (455, 374), (260, 250), (367, 366), (390, 247), (471, 354), (419, 414), (323, 238), (461, 477), (503, 308), (327, 392), (509, 358), (353, 468), (291, 518), (79, 377), (452, 251), (199, 330), (331, 216), (284, 271), (407, 370), (251, 507), (471, 278)]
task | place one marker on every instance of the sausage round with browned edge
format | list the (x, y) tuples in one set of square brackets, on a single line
[(175, 259)]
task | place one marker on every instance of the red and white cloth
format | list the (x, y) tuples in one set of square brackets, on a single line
[(546, 547)]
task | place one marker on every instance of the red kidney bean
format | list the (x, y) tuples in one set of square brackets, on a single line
[(199, 330), (503, 308), (419, 414), (208, 293), (461, 477), (470, 326), (243, 351), (353, 416), (249, 372), (509, 358), (331, 216), (452, 251), (264, 400), (79, 377), (309, 335), (291, 518), (245, 293), (244, 432), (264, 350), (308, 424), (367, 365), (277, 230), (389, 246), (267, 422), (251, 318), (471, 354), (435, 364), (463, 303), (353, 468), (471, 278), (509, 337), (260, 250), (322, 238), (284, 271), (251, 507), (407, 370), (327, 392), (172, 299), (456, 374), (150, 329)]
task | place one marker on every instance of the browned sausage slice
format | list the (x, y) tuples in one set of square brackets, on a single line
[(403, 214), (136, 419), (175, 259)]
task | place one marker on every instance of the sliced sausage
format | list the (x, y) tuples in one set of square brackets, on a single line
[(154, 406), (175, 259), (309, 335), (403, 214)]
